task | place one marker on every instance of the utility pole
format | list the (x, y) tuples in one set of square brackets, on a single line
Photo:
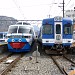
[(63, 8), (49, 15)]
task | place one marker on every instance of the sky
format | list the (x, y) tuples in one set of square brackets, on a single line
[(33, 9)]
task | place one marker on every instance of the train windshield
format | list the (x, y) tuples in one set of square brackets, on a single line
[(24, 29), (13, 29), (47, 29), (67, 29), (20, 29)]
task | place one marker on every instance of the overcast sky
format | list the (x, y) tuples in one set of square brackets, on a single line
[(33, 9)]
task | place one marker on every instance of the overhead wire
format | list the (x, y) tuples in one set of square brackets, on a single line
[(66, 5), (19, 8), (56, 6), (51, 8)]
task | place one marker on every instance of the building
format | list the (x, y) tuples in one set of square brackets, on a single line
[(70, 14)]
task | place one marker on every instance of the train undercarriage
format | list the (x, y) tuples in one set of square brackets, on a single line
[(58, 49)]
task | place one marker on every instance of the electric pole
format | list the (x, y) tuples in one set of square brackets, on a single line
[(63, 8)]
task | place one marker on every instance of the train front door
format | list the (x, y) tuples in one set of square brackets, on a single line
[(58, 32)]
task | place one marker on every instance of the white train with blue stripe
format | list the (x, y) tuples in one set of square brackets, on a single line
[(56, 33), (20, 37), (3, 36)]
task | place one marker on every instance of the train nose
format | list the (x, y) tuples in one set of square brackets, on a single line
[(17, 45)]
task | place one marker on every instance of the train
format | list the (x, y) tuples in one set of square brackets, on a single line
[(20, 37), (3, 36), (56, 34)]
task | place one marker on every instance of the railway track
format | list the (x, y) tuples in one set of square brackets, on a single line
[(7, 67), (57, 64), (61, 68), (5, 57), (68, 59)]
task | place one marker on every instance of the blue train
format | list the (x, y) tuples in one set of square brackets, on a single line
[(3, 36), (20, 37), (56, 34)]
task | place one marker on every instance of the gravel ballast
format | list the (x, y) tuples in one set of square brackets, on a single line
[(29, 66)]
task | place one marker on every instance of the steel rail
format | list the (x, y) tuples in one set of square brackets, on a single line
[(11, 65), (5, 57), (60, 68), (69, 59)]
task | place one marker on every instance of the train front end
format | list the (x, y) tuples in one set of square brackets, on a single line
[(19, 43), (47, 33), (57, 34), (20, 38)]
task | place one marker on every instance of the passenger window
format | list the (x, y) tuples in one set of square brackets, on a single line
[(58, 29)]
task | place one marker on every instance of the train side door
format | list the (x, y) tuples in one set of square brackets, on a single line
[(58, 32)]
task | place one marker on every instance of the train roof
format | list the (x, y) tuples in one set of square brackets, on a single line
[(52, 19), (22, 23), (26, 26), (57, 19)]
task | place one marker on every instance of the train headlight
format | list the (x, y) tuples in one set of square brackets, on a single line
[(13, 40), (26, 36), (9, 36), (20, 40)]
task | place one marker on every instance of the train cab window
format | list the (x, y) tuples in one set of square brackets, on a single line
[(1, 35), (47, 29), (58, 29), (24, 23), (13, 29), (68, 29), (23, 29)]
